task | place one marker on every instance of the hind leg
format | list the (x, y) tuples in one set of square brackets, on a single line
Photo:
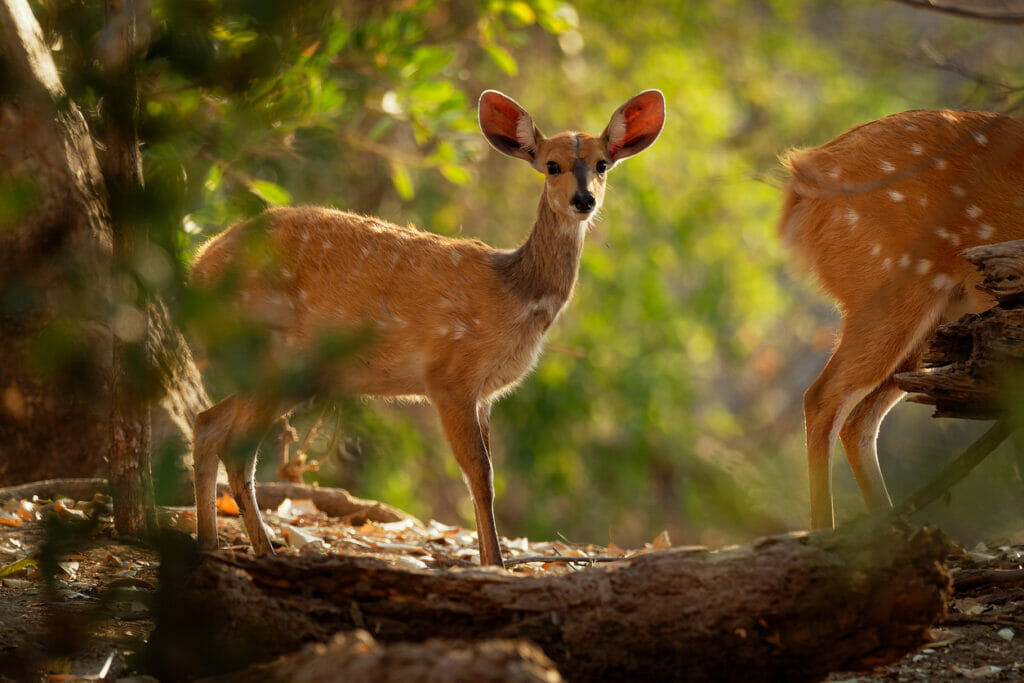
[(860, 436), (253, 418), (230, 430), (876, 340), (211, 433)]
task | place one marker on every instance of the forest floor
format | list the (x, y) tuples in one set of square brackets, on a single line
[(92, 620)]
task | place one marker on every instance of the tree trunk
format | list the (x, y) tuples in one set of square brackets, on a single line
[(129, 457), (56, 242), (787, 608), (56, 246)]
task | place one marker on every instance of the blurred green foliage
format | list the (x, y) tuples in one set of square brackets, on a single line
[(670, 395)]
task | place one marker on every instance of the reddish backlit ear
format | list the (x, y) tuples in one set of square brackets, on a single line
[(635, 125), (508, 127)]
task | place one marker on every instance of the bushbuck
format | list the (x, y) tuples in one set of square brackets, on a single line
[(453, 321), (880, 215)]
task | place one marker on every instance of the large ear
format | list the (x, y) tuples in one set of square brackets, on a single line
[(635, 125), (507, 126)]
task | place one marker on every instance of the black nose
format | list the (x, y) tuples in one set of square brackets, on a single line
[(583, 201)]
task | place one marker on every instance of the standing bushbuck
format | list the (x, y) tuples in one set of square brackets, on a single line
[(451, 320), (880, 215)]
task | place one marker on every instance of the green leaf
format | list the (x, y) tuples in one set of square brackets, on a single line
[(402, 180), (455, 174), (213, 178), (522, 11), (271, 193), (502, 58)]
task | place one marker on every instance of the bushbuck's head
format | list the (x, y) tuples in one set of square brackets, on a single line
[(574, 163)]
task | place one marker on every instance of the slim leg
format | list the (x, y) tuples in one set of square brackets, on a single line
[(460, 420)]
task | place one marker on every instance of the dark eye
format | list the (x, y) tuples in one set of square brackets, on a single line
[(554, 168), (602, 166)]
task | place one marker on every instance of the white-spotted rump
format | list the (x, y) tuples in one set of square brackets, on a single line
[(924, 185)]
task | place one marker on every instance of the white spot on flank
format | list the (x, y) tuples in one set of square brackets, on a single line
[(916, 149), (973, 211), (942, 281), (886, 166), (980, 138), (923, 201), (834, 173), (949, 116), (876, 249), (285, 273), (923, 266), (327, 244), (957, 190), (305, 235), (896, 195), (904, 260), (887, 263), (455, 256), (985, 231), (851, 217), (458, 329), (940, 164), (910, 127)]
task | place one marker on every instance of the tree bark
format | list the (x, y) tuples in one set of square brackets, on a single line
[(56, 338), (977, 363), (356, 656), (787, 608), (129, 455), (56, 246)]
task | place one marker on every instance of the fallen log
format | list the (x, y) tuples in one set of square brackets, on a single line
[(976, 363), (789, 607), (356, 656)]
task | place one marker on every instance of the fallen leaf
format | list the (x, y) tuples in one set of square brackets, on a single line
[(410, 562), (112, 560), (27, 511), (978, 672), (971, 606), (227, 505), (22, 564), (520, 544), (7, 519), (66, 512), (298, 538), (661, 541), (297, 508), (399, 547)]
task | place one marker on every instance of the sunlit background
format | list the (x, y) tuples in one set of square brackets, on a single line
[(669, 397)]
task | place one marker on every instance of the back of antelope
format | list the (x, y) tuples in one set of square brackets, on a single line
[(880, 215), (450, 320)]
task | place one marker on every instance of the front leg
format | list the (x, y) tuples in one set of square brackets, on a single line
[(468, 441)]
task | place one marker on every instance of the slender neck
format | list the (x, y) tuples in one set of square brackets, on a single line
[(547, 262)]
